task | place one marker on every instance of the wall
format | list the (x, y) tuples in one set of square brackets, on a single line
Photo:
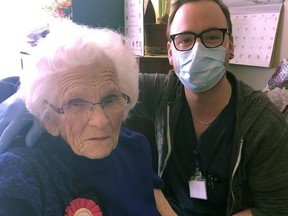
[(100, 13), (254, 76), (257, 77)]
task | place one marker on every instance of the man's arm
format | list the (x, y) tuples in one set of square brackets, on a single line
[(14, 117), (246, 212), (162, 204)]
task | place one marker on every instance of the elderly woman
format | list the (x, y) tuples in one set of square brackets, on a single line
[(82, 87)]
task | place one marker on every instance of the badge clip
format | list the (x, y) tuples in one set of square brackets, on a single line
[(197, 186)]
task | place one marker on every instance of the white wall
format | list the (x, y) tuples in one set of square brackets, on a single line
[(256, 77)]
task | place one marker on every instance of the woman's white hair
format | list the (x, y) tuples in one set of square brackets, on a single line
[(67, 46)]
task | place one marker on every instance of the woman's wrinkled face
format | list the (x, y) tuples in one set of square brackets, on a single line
[(95, 135)]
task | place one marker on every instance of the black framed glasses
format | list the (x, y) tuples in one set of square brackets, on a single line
[(110, 104), (210, 38)]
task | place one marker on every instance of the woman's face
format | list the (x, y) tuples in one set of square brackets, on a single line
[(91, 133)]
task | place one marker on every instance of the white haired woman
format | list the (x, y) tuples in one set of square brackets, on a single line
[(82, 87)]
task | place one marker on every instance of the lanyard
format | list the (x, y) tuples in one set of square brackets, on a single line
[(210, 178)]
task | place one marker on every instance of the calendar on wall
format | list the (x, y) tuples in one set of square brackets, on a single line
[(134, 24), (255, 32), (253, 43)]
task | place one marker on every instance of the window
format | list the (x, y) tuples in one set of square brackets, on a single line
[(16, 21)]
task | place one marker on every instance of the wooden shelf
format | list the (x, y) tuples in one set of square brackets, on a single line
[(154, 64)]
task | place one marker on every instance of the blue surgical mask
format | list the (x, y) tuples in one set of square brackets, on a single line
[(201, 68)]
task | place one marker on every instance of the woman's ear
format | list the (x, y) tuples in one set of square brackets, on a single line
[(51, 126)]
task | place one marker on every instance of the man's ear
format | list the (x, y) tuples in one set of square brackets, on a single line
[(231, 47), (169, 52), (51, 126)]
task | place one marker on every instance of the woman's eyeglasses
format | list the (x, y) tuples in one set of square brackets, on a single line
[(110, 104)]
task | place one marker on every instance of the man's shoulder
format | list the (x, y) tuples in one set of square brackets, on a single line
[(160, 85), (158, 76)]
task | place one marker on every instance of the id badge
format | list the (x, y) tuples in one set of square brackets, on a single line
[(198, 189)]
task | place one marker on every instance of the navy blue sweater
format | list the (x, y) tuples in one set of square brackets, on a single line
[(44, 179)]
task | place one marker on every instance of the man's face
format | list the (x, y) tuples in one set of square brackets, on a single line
[(197, 17)]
